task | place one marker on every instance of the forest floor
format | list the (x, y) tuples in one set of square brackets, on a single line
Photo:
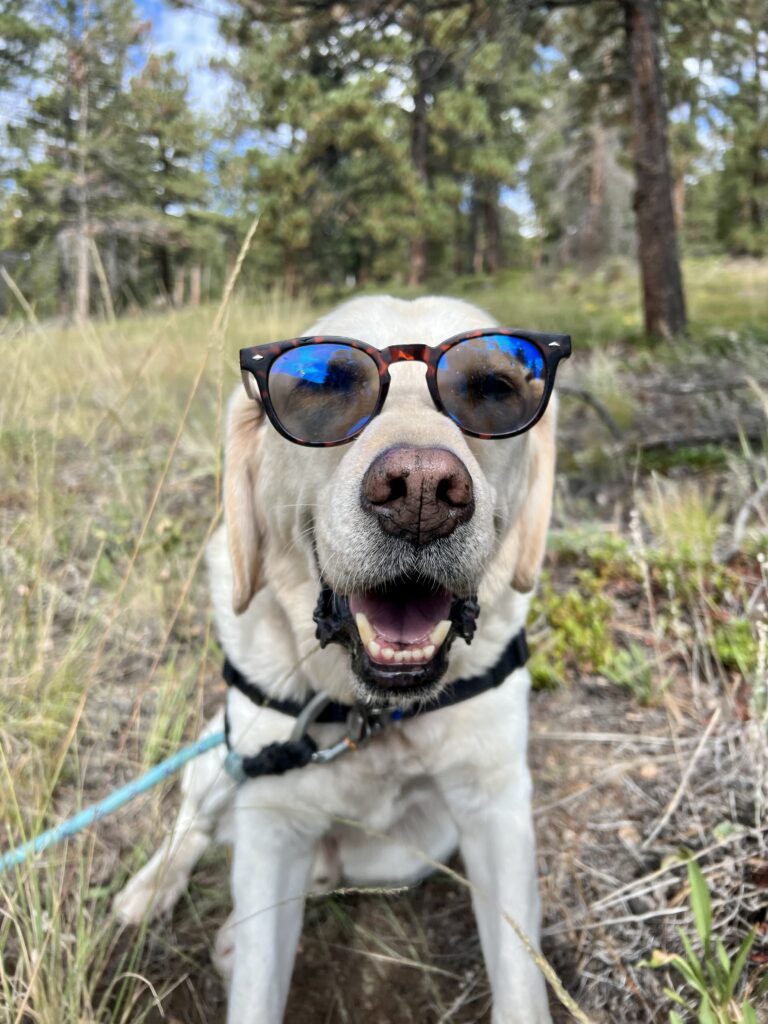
[(648, 731)]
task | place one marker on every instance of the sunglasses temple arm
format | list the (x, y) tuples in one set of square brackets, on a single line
[(250, 385)]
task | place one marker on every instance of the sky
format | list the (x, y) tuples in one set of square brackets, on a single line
[(194, 37)]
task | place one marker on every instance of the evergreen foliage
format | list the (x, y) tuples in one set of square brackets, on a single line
[(390, 139)]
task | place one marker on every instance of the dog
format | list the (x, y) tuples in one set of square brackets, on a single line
[(410, 516)]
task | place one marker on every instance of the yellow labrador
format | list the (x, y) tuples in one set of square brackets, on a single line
[(396, 514)]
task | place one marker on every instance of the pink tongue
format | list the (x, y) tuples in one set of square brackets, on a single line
[(406, 620)]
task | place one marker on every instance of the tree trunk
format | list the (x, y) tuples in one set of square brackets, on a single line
[(417, 264), (678, 201), (475, 234), (63, 275), (592, 238), (111, 265), (178, 288), (759, 177), (195, 281), (165, 271), (663, 299), (82, 253), (459, 242), (492, 230), (291, 278)]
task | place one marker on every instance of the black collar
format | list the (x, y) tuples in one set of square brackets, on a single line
[(514, 656)]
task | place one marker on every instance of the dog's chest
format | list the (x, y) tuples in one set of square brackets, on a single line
[(371, 785)]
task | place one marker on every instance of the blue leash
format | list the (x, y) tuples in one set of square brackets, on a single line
[(110, 803)]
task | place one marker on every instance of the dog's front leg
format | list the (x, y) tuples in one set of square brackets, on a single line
[(498, 846), (273, 858)]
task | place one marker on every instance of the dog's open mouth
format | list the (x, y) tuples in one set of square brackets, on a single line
[(403, 624), (398, 634)]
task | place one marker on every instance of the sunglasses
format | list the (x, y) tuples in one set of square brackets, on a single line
[(324, 391)]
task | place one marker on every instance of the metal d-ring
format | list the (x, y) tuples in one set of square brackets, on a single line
[(308, 715), (362, 723)]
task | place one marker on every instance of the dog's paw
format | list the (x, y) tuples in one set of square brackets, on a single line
[(147, 895), (224, 948), (326, 871)]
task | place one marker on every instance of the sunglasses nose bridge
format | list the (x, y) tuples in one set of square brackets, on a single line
[(406, 354)]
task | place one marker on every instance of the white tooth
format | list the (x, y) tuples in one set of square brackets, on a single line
[(417, 654), (364, 628), (440, 632), (387, 653), (373, 648), (400, 656), (428, 652)]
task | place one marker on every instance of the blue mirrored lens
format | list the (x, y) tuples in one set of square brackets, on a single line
[(492, 385), (324, 391)]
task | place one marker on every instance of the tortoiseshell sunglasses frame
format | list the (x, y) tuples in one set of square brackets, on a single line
[(256, 362)]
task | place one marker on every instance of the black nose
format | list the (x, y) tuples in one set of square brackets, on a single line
[(419, 494)]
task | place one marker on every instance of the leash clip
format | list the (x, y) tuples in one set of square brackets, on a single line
[(362, 723)]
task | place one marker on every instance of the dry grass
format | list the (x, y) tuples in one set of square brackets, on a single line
[(109, 470)]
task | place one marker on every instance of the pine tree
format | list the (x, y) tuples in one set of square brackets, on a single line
[(164, 146), (76, 125), (741, 58), (330, 174), (383, 118), (117, 196)]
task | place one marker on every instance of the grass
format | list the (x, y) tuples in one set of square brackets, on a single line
[(109, 476), (104, 629)]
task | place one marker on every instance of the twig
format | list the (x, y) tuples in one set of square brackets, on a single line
[(650, 915), (630, 889), (589, 399), (663, 443), (601, 737), (694, 387), (678, 794), (101, 275), (752, 504)]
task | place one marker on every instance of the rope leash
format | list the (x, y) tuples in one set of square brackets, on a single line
[(117, 799)]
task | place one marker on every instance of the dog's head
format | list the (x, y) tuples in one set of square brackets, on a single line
[(395, 542)]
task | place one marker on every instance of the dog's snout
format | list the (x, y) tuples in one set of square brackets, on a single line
[(419, 494)]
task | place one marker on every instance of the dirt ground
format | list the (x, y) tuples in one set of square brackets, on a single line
[(606, 778)]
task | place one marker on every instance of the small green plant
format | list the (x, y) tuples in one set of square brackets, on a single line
[(632, 669), (580, 637), (734, 644), (592, 546), (699, 459), (714, 976)]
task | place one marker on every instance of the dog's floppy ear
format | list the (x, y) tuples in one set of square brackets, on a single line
[(245, 433), (531, 527)]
